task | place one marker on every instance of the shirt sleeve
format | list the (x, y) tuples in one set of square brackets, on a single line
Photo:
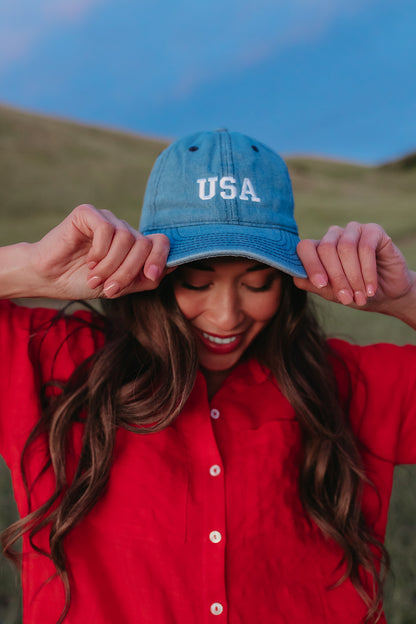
[(383, 398), (35, 347)]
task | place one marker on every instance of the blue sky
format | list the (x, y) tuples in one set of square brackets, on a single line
[(326, 77)]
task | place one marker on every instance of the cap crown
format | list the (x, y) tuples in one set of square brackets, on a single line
[(217, 178), (223, 194)]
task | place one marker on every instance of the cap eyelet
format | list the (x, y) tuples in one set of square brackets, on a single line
[(193, 148), (255, 148)]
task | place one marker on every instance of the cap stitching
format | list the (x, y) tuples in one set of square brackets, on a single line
[(162, 167), (233, 202), (186, 224)]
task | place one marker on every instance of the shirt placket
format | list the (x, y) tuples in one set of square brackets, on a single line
[(215, 531), (206, 513)]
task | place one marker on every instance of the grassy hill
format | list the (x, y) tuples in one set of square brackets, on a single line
[(48, 166)]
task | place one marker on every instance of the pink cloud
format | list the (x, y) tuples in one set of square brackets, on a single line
[(25, 23), (73, 10)]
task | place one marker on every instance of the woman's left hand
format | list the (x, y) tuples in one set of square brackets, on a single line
[(357, 266)]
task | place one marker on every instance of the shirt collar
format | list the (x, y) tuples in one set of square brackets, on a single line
[(246, 372)]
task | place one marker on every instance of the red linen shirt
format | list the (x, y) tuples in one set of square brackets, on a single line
[(202, 522)]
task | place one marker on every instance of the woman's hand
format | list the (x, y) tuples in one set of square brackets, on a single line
[(93, 254), (357, 266)]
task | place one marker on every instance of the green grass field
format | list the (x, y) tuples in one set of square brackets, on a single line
[(49, 166)]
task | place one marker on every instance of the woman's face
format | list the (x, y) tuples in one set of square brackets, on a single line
[(228, 301)]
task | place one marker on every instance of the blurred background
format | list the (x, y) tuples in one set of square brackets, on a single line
[(92, 90)]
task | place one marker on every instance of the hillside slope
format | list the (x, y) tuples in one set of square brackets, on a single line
[(48, 166)]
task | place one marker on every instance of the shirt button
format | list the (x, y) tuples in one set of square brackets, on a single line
[(215, 470), (216, 608), (215, 537), (215, 414)]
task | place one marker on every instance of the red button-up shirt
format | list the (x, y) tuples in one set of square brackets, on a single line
[(202, 522)]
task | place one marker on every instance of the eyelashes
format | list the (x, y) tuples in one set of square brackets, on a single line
[(256, 289), (191, 287), (265, 287)]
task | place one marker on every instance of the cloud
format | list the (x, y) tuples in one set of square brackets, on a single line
[(190, 44), (248, 33), (73, 10), (24, 23)]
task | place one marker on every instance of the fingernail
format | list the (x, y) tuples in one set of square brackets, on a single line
[(360, 298), (345, 297), (152, 272), (320, 281), (94, 281), (370, 290), (112, 289)]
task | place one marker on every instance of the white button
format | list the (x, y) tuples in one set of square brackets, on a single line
[(215, 414), (215, 470), (215, 537), (216, 608)]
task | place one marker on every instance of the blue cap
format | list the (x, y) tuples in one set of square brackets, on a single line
[(222, 193)]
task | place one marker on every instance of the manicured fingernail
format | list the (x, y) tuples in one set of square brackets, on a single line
[(111, 289), (345, 297), (152, 272), (370, 290), (320, 281), (94, 281), (360, 298)]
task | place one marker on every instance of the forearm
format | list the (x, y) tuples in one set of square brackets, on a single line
[(17, 275)]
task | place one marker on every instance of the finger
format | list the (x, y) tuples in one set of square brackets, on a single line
[(372, 239), (307, 252), (128, 274), (111, 233), (142, 269), (150, 252), (348, 252), (94, 225), (327, 250), (122, 242), (155, 265)]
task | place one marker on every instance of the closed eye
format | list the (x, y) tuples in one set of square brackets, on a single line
[(192, 287), (265, 287)]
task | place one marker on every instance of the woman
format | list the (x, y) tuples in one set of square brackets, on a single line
[(202, 453)]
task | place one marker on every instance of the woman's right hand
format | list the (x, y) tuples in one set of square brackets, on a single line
[(91, 254)]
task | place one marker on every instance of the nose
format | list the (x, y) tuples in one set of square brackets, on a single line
[(225, 310)]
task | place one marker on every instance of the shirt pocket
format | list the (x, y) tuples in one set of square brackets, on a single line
[(148, 487), (264, 468)]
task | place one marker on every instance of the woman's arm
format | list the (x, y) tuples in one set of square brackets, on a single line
[(90, 254), (360, 266)]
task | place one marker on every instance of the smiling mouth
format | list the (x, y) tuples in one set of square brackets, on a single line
[(220, 345), (218, 340)]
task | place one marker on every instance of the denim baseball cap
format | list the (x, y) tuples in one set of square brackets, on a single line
[(222, 193)]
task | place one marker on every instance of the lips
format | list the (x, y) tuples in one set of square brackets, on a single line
[(220, 344)]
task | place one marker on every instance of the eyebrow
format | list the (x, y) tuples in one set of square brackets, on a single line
[(258, 267), (202, 266)]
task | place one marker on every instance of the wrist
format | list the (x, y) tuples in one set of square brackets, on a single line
[(404, 308), (17, 275)]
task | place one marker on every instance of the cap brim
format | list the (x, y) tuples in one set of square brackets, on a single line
[(275, 247)]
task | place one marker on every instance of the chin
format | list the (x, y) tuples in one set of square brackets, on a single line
[(216, 364)]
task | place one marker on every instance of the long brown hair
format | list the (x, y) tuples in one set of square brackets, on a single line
[(143, 375)]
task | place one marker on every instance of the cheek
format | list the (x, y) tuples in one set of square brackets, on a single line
[(187, 303), (264, 308)]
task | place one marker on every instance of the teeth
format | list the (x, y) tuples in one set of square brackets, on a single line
[(219, 340)]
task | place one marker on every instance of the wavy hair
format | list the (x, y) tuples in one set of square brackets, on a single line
[(140, 380)]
